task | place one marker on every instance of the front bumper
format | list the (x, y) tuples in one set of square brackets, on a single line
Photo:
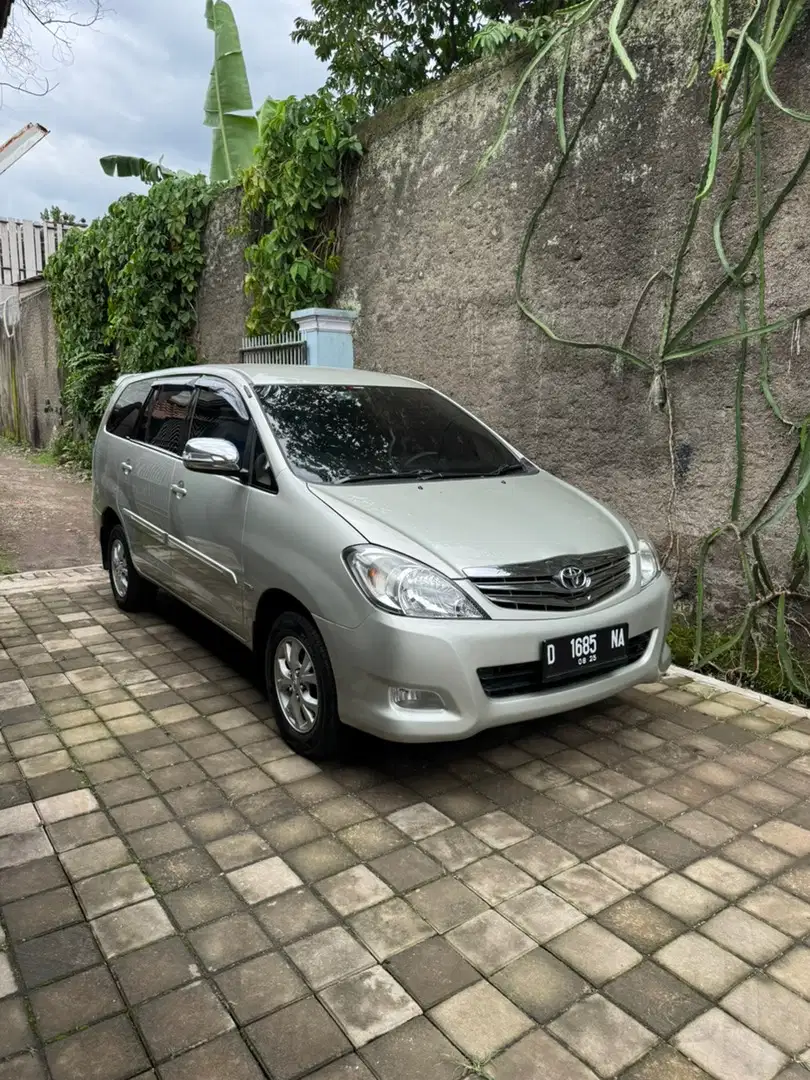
[(444, 655)]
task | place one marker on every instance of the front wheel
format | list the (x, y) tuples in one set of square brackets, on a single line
[(131, 592), (301, 686)]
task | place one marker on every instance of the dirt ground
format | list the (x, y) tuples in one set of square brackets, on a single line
[(45, 519)]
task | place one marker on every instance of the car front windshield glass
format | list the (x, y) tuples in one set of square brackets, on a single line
[(335, 434)]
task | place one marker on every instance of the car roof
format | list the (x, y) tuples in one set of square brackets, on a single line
[(269, 374)]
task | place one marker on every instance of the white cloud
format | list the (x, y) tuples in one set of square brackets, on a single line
[(136, 86)]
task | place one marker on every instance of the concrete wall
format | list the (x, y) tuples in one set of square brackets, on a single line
[(430, 264), (222, 306), (29, 374)]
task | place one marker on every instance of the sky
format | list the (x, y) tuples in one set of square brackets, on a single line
[(136, 85)]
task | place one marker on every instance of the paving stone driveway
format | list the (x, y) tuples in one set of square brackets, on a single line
[(624, 892)]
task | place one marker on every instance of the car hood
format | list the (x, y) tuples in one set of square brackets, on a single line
[(479, 522)]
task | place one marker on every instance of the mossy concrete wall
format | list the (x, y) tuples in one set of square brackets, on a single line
[(29, 372), (429, 261), (222, 306)]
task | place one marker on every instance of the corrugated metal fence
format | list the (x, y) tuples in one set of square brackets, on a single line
[(289, 348)]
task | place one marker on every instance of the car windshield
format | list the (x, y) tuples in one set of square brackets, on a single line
[(362, 434)]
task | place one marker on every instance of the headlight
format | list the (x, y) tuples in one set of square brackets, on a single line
[(404, 586), (648, 565)]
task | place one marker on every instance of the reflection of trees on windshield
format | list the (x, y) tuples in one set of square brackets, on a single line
[(329, 433)]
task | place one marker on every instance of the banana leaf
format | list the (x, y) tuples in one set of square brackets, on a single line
[(151, 172), (234, 136)]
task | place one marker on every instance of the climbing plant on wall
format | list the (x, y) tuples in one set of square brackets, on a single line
[(291, 204), (123, 293), (737, 73)]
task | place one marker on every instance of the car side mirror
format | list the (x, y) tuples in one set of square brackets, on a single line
[(212, 456)]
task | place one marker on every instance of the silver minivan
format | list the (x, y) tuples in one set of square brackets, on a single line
[(394, 563)]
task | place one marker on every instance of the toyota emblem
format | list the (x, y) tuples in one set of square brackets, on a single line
[(573, 578)]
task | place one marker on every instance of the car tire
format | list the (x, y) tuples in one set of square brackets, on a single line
[(131, 592), (301, 686)]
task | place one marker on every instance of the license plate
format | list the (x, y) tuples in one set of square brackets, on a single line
[(579, 655)]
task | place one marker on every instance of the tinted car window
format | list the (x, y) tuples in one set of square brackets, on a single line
[(167, 421), (221, 414), (126, 411), (352, 434)]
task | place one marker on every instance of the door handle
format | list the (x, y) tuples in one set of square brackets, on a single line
[(126, 467), (179, 490)]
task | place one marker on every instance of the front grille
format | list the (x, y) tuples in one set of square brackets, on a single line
[(537, 587), (510, 680)]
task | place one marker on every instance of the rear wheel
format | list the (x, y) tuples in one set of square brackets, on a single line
[(130, 591), (301, 686)]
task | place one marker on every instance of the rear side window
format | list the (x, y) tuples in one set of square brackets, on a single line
[(167, 424), (125, 413), (221, 414)]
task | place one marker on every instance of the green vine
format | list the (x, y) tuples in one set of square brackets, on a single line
[(123, 293), (291, 203), (773, 623)]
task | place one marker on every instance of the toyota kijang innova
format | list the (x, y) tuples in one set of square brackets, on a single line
[(394, 563)]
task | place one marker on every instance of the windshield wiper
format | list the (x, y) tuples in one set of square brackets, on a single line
[(373, 478), (509, 467)]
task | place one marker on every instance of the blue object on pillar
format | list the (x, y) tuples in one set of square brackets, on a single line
[(328, 334)]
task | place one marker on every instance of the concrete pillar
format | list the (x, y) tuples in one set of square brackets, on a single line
[(328, 334)]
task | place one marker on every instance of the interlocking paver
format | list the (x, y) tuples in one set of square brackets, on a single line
[(587, 888), (605, 1036), (489, 941), (656, 851), (480, 1020), (131, 927), (420, 820), (182, 1019), (541, 913), (261, 880), (353, 890), (390, 927), (76, 1002), (260, 986), (415, 1049), (793, 970), (702, 964), (155, 969), (328, 956), (750, 938), (226, 1056), (520, 1061), (297, 1039), (656, 998), (233, 938), (369, 1004), (110, 1050), (728, 1050), (594, 952), (540, 985), (771, 1010)]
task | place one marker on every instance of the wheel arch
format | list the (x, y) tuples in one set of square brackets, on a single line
[(109, 519)]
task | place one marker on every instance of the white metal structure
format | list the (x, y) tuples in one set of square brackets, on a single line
[(25, 139)]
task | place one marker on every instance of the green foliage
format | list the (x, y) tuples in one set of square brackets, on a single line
[(123, 293), (381, 50), (57, 216), (773, 632), (291, 197), (234, 135)]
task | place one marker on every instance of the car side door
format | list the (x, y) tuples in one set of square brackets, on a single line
[(207, 511), (147, 469)]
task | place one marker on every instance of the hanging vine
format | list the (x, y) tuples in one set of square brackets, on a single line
[(291, 204), (773, 629)]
